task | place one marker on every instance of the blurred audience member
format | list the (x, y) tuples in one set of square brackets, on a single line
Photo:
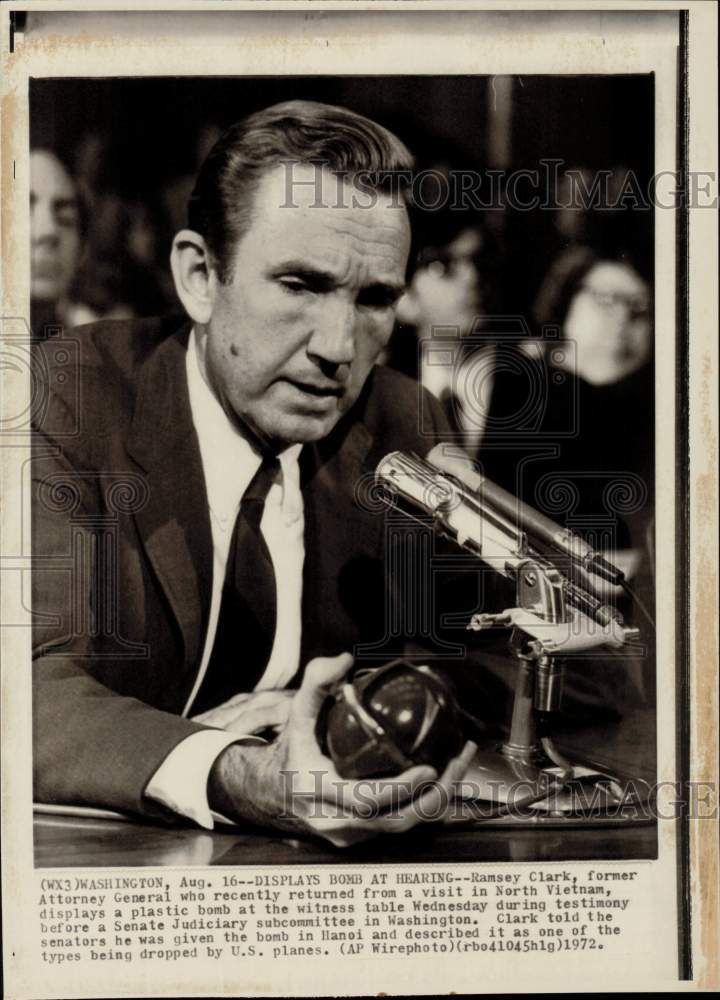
[(596, 403), (441, 316), (590, 462), (603, 306), (56, 238), (91, 265), (122, 276)]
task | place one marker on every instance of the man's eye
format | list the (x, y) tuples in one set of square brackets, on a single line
[(295, 286), (378, 298), (67, 216)]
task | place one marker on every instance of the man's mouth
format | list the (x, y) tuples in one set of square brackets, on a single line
[(320, 391), (45, 269)]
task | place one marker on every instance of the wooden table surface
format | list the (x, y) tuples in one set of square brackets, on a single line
[(63, 841)]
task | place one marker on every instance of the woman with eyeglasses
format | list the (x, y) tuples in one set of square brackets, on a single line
[(571, 428), (573, 423)]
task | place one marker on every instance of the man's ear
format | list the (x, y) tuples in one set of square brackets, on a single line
[(194, 275)]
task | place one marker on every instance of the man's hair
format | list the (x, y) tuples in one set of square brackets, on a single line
[(337, 139)]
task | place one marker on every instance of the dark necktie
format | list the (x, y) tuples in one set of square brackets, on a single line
[(248, 609)]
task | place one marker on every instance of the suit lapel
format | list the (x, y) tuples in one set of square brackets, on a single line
[(342, 543), (343, 573), (174, 525)]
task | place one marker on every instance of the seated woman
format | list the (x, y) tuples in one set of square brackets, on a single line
[(594, 415), (586, 458)]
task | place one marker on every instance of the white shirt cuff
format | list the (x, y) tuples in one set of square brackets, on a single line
[(180, 783)]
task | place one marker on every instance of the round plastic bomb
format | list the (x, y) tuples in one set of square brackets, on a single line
[(388, 719)]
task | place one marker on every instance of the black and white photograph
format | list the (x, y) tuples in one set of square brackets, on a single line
[(518, 338), (352, 471)]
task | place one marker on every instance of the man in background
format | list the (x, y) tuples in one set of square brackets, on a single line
[(55, 239)]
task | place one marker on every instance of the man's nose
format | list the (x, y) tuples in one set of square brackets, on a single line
[(621, 316), (332, 341), (466, 271), (43, 226)]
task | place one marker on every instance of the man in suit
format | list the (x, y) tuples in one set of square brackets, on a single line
[(154, 666)]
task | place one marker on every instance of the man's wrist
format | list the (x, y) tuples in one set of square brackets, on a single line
[(234, 786)]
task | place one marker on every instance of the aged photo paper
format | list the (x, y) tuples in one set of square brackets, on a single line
[(553, 339)]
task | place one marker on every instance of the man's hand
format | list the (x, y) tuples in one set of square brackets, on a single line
[(250, 713), (293, 786)]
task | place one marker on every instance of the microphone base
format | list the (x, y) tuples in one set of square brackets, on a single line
[(506, 791), (527, 781)]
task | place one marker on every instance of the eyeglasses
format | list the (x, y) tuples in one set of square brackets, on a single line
[(637, 306)]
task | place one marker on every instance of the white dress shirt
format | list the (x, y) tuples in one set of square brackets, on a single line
[(229, 463)]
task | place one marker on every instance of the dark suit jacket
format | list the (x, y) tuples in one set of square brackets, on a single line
[(123, 553)]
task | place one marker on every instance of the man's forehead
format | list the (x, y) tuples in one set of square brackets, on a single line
[(301, 193), (49, 176)]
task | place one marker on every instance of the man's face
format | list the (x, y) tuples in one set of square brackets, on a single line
[(54, 227), (308, 306), (447, 291)]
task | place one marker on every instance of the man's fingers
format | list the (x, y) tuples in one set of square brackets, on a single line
[(432, 805), (256, 720), (248, 717), (367, 801), (273, 700), (457, 767), (368, 798), (215, 716), (358, 809), (378, 794), (271, 696), (325, 670), (320, 674)]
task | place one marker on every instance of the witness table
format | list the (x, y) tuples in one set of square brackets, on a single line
[(629, 745)]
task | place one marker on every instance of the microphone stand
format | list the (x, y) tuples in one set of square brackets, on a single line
[(527, 776), (526, 779)]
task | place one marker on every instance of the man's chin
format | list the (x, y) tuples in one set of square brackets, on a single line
[(301, 430), (44, 290)]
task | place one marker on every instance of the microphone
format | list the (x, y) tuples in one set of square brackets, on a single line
[(545, 530), (423, 482), (417, 487)]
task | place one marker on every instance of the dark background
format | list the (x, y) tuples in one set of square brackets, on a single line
[(153, 122)]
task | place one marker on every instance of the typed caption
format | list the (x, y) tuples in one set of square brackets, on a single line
[(236, 915)]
